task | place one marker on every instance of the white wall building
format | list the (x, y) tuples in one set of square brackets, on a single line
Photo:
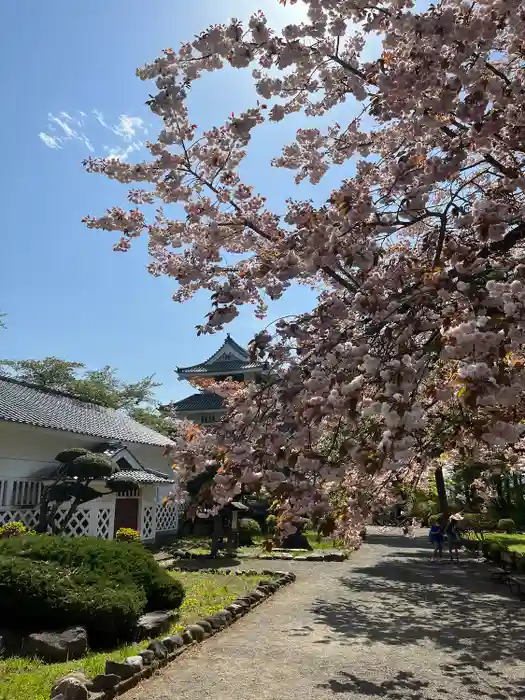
[(36, 424)]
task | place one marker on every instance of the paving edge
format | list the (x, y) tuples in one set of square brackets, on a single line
[(161, 652), (339, 557)]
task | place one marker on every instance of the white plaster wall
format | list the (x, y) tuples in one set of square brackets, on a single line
[(152, 457), (26, 449)]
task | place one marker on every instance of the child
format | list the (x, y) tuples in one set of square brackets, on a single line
[(436, 537), (453, 533)]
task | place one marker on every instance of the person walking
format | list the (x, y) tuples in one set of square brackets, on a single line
[(453, 535), (436, 538)]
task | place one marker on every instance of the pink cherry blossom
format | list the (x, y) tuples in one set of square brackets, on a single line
[(416, 344)]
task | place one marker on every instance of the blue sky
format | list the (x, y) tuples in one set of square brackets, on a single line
[(69, 75)]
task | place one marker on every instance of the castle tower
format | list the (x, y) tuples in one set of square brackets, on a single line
[(231, 361)]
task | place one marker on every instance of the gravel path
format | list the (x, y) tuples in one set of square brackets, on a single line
[(387, 623)]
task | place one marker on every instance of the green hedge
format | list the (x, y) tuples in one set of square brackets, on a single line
[(54, 582), (249, 526), (506, 525), (39, 595)]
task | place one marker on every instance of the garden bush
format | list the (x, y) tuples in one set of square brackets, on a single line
[(271, 523), (435, 519), (250, 527), (39, 595), (13, 529), (494, 551), (127, 534), (101, 585), (478, 522), (326, 526), (506, 525)]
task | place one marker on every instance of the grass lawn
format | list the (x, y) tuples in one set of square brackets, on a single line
[(514, 542), (206, 594)]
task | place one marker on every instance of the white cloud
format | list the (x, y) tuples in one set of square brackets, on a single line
[(50, 141), (65, 126), (127, 127), (88, 143), (100, 118), (122, 153)]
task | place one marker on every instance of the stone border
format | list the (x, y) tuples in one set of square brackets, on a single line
[(122, 676), (333, 556), (185, 556)]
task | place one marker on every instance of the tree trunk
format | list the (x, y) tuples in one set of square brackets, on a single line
[(518, 491), (441, 492), (43, 514), (70, 513), (217, 535)]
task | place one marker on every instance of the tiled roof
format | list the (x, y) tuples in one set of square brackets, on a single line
[(135, 476), (199, 402), (21, 402), (210, 365), (139, 476)]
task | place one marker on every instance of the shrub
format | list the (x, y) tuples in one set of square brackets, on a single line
[(271, 523), (250, 527), (70, 571), (127, 534), (92, 466), (327, 526), (506, 525), (67, 456), (495, 550), (435, 519), (43, 595), (479, 522), (166, 594), (13, 529), (520, 563)]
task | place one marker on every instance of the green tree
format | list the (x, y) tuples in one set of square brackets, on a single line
[(49, 373), (101, 386), (73, 485), (151, 418)]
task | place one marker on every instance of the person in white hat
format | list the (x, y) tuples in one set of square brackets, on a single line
[(453, 535)]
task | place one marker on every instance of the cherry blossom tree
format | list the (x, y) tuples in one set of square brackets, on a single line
[(415, 342)]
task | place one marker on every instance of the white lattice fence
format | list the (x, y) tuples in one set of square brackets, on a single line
[(28, 516), (148, 525), (79, 525), (84, 522), (167, 517), (104, 523)]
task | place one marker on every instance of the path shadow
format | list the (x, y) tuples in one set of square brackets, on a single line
[(404, 685), (410, 600), (406, 600)]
